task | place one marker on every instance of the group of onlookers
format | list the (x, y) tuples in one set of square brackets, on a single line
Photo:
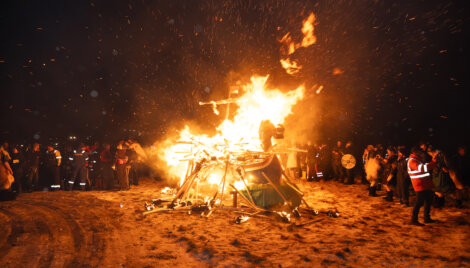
[(70, 166), (422, 171), (432, 173)]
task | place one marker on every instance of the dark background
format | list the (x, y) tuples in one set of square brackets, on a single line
[(114, 69)]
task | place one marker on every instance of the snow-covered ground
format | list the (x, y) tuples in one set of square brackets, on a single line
[(107, 229)]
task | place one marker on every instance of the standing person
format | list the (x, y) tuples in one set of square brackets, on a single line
[(107, 173), (292, 164), (461, 163), (6, 176), (372, 168), (79, 165), (18, 167), (302, 160), (460, 171), (310, 162), (441, 179), (6, 148), (93, 165), (322, 162), (7, 173), (365, 156), (53, 161), (132, 163), (34, 160), (66, 170), (403, 179), (121, 166), (389, 178), (418, 170), (337, 153), (425, 146)]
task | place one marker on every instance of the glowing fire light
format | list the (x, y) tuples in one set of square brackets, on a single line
[(239, 134), (319, 89), (214, 179), (291, 66), (337, 71)]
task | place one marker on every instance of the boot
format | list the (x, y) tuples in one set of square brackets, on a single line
[(429, 220), (351, 181), (389, 197), (414, 220), (372, 192)]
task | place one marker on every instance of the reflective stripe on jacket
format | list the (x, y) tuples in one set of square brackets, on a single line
[(419, 173)]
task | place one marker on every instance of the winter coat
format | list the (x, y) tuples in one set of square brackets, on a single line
[(420, 173)]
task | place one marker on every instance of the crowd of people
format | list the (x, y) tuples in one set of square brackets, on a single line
[(432, 173), (423, 171), (68, 167)]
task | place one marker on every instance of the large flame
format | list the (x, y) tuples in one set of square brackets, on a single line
[(239, 134)]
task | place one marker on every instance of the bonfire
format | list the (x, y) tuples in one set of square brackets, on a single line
[(241, 160)]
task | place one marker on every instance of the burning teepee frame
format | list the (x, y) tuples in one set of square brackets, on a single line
[(231, 166), (233, 157)]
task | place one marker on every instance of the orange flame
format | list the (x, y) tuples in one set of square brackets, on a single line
[(239, 134), (309, 39), (337, 71), (307, 30), (291, 67)]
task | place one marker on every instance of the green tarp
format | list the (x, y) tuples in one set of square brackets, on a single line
[(265, 196)]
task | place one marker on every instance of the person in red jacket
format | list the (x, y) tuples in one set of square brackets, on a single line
[(420, 176)]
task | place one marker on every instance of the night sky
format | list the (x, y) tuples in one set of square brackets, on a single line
[(114, 69)]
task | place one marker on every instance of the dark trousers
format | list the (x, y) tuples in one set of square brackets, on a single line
[(79, 172), (107, 173), (133, 175), (55, 173), (18, 174), (33, 178), (338, 170), (403, 189), (66, 175), (311, 172), (324, 170), (349, 176), (122, 176), (423, 198)]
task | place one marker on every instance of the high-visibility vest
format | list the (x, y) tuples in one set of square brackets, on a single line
[(55, 159), (420, 173)]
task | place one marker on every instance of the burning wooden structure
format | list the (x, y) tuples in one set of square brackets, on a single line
[(240, 158)]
